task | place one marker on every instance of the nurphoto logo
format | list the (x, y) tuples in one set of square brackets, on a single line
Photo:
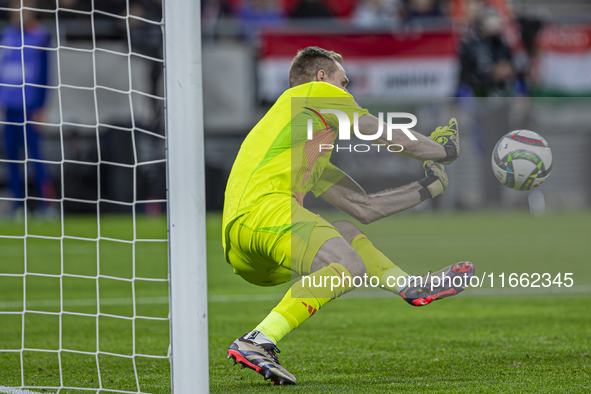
[(345, 134)]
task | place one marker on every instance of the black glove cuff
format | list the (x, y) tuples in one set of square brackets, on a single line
[(424, 192), (450, 155), (427, 181)]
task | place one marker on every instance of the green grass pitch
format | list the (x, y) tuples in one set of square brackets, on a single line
[(353, 345)]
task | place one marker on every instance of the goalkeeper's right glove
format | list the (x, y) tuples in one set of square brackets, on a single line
[(435, 182), (449, 137)]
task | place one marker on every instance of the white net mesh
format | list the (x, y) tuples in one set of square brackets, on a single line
[(83, 243)]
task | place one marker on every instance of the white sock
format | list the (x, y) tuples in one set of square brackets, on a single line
[(258, 337), (393, 274)]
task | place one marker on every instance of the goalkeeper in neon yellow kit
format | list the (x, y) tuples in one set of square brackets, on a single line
[(268, 235)]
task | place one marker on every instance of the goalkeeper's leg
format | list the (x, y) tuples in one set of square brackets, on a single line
[(328, 265), (376, 263), (337, 262), (335, 265), (417, 291)]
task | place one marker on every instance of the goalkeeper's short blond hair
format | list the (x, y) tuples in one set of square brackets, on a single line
[(309, 61)]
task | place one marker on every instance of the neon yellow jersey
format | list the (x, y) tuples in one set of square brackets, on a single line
[(277, 156)]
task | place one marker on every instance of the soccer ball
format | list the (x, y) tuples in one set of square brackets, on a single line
[(522, 160)]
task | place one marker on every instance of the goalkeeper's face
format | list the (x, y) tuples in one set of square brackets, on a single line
[(337, 77)]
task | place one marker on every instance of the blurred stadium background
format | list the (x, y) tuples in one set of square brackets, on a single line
[(398, 54)]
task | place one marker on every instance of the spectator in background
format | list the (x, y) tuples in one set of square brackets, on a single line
[(211, 12), (515, 33), (21, 108), (311, 9), (419, 9), (377, 13), (486, 60), (257, 14), (487, 72), (466, 12)]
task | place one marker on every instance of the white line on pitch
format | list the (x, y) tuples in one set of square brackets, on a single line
[(8, 390)]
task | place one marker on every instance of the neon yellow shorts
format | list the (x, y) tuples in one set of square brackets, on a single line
[(275, 240)]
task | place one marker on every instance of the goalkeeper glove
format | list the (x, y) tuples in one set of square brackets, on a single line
[(449, 137), (435, 182)]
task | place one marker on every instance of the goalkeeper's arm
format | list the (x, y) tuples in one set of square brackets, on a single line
[(350, 198), (442, 146)]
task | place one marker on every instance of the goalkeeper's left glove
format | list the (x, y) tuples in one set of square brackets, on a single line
[(449, 137), (435, 182)]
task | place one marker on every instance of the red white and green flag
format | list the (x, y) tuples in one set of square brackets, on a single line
[(564, 60), (410, 64)]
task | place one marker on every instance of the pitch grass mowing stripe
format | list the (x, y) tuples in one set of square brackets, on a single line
[(84, 302), (580, 290), (8, 390), (507, 292), (573, 291), (354, 345)]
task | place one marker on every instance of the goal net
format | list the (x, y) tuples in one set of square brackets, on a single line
[(84, 258)]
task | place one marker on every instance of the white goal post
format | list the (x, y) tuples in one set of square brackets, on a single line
[(186, 196), (95, 283)]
